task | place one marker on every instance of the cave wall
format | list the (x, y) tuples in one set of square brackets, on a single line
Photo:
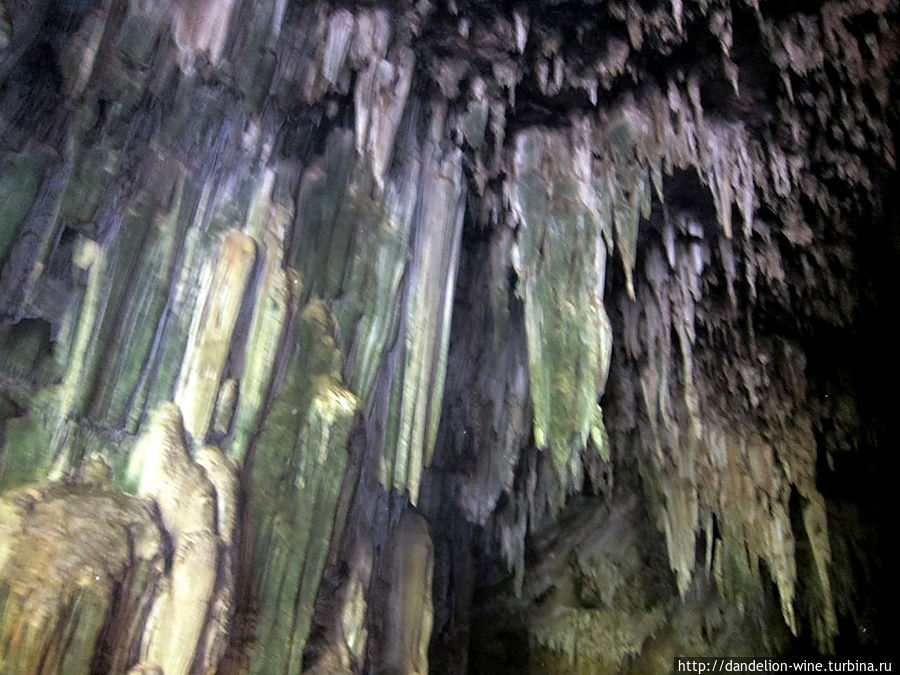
[(388, 337)]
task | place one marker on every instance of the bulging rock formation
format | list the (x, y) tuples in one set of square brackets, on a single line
[(540, 336)]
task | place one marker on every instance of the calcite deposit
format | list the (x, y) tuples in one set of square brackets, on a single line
[(398, 337)]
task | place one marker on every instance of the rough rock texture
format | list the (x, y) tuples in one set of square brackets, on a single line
[(82, 567), (543, 336)]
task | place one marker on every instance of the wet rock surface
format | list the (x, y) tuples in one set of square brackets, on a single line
[(540, 336)]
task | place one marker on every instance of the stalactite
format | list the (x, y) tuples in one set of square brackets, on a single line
[(440, 292), (560, 258)]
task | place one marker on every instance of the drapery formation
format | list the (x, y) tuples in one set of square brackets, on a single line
[(332, 334)]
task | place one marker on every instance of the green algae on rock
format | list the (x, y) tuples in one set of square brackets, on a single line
[(386, 310)]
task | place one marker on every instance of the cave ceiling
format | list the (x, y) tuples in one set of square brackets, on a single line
[(445, 336)]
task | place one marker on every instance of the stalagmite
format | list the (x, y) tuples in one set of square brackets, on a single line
[(190, 499)]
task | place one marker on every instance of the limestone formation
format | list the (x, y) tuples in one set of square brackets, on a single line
[(538, 336)]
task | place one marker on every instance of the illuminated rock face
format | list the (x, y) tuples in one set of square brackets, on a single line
[(392, 337)]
